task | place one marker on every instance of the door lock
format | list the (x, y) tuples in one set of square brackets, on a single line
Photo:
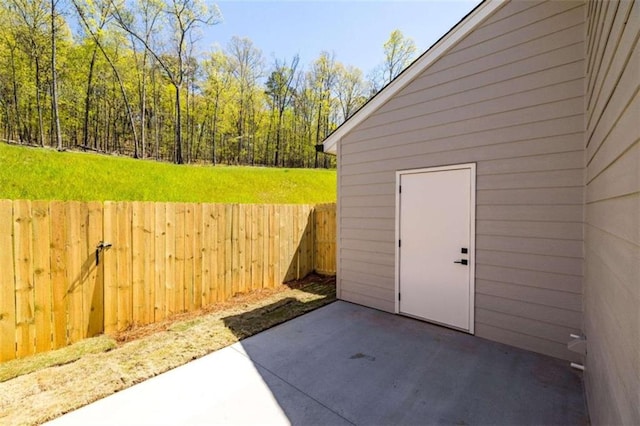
[(462, 261)]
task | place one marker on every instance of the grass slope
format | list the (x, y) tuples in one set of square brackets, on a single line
[(44, 174)]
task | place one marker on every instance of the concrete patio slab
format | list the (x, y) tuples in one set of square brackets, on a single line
[(347, 364)]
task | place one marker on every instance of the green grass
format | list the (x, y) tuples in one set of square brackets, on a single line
[(45, 174), (18, 367)]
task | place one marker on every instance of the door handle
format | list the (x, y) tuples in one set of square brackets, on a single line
[(462, 261)]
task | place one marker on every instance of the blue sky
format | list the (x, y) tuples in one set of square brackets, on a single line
[(354, 30)]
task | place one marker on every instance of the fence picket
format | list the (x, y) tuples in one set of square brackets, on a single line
[(95, 295), (257, 273), (159, 270), (308, 238), (107, 257), (189, 245), (228, 256), (274, 241), (138, 292), (42, 274), (252, 254), (234, 248), (208, 226), (7, 284), (82, 289), (74, 271), (58, 263), (219, 256), (149, 260), (197, 256), (25, 332), (241, 249), (169, 259), (123, 251), (179, 258), (282, 244)]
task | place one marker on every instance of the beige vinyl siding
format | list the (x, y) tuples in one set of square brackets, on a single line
[(508, 96), (612, 212)]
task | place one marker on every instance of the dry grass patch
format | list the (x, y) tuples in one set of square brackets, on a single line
[(148, 351)]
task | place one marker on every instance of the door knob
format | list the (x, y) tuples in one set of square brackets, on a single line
[(462, 261)]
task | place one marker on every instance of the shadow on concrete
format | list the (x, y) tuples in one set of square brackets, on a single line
[(347, 364), (320, 289)]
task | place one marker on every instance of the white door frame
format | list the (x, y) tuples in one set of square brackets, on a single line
[(472, 234)]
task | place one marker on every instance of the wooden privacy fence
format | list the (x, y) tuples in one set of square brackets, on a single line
[(71, 270)]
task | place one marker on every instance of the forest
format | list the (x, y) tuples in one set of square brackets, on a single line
[(129, 77)]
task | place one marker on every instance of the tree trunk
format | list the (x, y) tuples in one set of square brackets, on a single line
[(125, 98), (87, 100), (39, 104), (188, 141), (215, 129), (279, 125), (156, 114), (16, 105), (267, 153), (240, 123), (96, 129), (178, 156), (54, 80), (191, 120), (143, 106)]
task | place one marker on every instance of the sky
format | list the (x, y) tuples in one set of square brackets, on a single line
[(354, 30)]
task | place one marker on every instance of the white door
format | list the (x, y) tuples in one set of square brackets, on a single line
[(436, 227)]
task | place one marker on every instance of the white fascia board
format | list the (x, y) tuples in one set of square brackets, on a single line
[(435, 52)]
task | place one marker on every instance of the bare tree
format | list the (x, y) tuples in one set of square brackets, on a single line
[(246, 64), (148, 16), (280, 90), (32, 15), (184, 17), (96, 38)]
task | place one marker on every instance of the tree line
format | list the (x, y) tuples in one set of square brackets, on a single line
[(127, 77)]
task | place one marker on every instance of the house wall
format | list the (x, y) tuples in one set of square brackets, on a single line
[(612, 212), (509, 96)]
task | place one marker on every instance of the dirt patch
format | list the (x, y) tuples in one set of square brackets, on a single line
[(240, 302), (144, 352)]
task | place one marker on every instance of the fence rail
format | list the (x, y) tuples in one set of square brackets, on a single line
[(71, 270)]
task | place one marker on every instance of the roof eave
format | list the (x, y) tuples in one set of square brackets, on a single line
[(476, 17)]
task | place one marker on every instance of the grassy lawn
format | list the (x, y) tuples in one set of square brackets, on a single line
[(45, 174), (46, 386)]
